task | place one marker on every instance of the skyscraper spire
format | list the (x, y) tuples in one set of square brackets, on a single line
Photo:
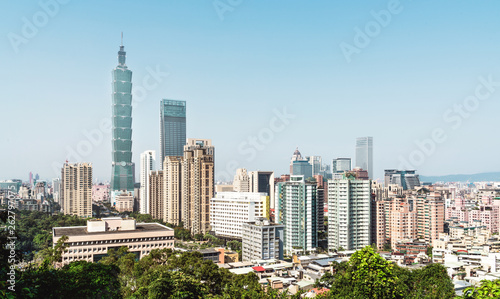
[(122, 54)]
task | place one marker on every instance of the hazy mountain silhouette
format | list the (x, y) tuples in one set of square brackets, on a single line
[(477, 177)]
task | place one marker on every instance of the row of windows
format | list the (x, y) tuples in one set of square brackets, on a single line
[(120, 241), (101, 249)]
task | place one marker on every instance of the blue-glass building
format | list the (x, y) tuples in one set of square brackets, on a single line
[(302, 167), (123, 170), (172, 128)]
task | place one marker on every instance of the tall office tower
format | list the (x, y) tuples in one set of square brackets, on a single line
[(297, 156), (172, 128), (229, 210), (407, 179), (340, 165), (76, 189), (302, 168), (262, 240), (296, 209), (122, 168), (349, 213), (364, 154), (172, 186), (315, 162), (156, 195), (430, 217), (241, 182), (148, 159), (31, 179), (197, 185), (56, 190), (262, 181)]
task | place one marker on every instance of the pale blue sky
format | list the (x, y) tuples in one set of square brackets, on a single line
[(234, 71)]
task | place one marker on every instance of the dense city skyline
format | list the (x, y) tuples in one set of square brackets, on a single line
[(412, 85)]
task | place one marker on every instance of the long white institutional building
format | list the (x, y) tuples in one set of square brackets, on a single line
[(229, 210), (92, 242)]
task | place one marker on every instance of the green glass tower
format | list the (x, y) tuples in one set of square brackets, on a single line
[(123, 170)]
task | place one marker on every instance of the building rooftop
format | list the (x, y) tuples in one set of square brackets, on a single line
[(242, 270), (208, 250), (82, 230)]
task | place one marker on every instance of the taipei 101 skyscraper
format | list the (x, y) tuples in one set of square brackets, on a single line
[(122, 168)]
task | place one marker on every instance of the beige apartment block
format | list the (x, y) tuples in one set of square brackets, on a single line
[(430, 213), (156, 195), (224, 188), (402, 221), (125, 202), (76, 189), (92, 242), (380, 223), (197, 184), (172, 186), (241, 182)]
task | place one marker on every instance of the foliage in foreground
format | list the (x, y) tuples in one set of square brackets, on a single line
[(368, 275), (168, 274), (488, 289)]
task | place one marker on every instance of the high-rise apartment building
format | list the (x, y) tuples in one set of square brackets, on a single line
[(296, 209), (197, 184), (229, 210), (320, 206), (156, 195), (262, 240), (364, 154), (165, 187), (262, 181), (76, 189), (241, 182), (172, 128), (172, 189), (430, 213), (378, 223), (401, 220), (349, 208), (340, 165), (122, 168), (148, 159)]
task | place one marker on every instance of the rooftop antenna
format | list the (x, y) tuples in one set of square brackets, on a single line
[(122, 40)]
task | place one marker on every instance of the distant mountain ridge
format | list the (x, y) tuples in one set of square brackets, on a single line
[(477, 177)]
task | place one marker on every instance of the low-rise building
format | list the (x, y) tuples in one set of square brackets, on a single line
[(124, 202), (262, 240), (92, 242)]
